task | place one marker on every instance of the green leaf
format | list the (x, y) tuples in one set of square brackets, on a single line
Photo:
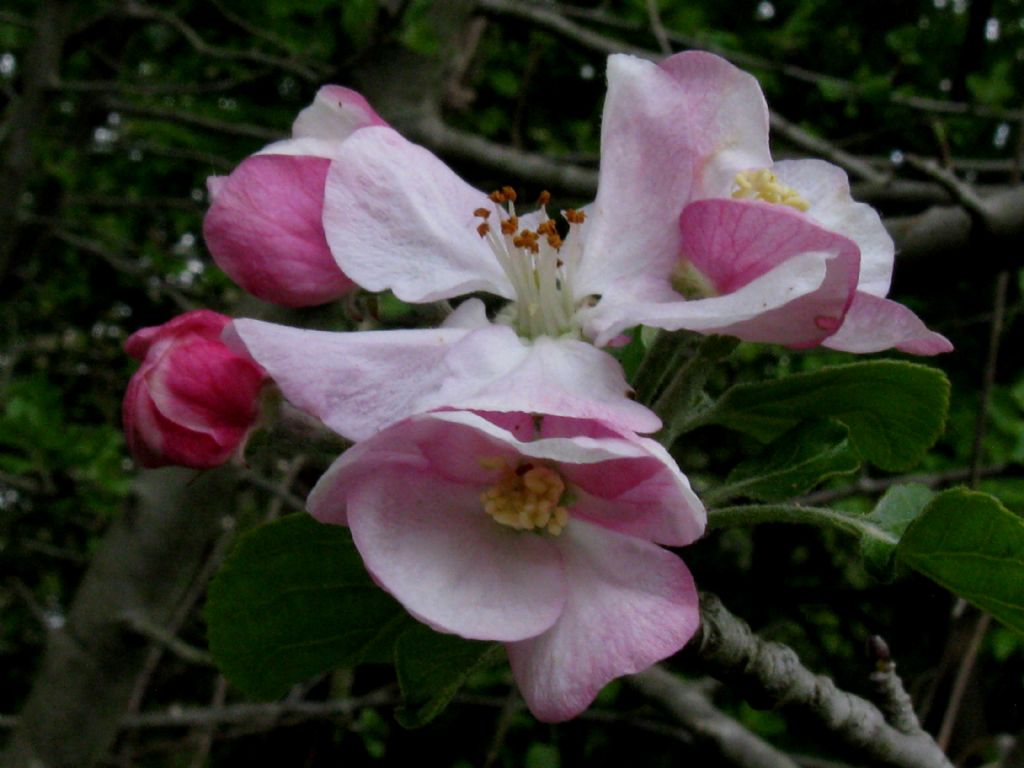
[(292, 600), (895, 410), (432, 667), (896, 510), (796, 462), (973, 546)]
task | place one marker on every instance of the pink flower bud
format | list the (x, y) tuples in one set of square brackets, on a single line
[(193, 401), (264, 227)]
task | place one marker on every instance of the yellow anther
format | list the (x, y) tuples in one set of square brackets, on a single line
[(509, 225), (764, 185), (527, 499), (575, 217)]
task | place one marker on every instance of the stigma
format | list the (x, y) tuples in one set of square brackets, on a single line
[(527, 499), (538, 261), (764, 185)]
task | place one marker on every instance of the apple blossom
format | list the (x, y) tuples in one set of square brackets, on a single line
[(264, 225), (193, 401), (693, 227), (536, 531)]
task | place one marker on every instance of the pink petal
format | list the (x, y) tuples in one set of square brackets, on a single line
[(335, 114), (874, 324), (782, 279), (398, 218), (429, 543), (671, 133), (203, 386), (644, 496), (355, 383), (630, 604), (199, 322), (561, 377), (733, 242), (264, 229), (156, 441), (827, 189)]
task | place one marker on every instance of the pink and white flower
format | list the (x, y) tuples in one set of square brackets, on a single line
[(193, 401), (538, 532), (264, 227), (693, 227)]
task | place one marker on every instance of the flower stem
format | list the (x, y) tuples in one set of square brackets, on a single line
[(822, 517)]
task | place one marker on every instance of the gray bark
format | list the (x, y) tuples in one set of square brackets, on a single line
[(145, 566)]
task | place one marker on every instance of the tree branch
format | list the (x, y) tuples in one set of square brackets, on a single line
[(773, 675), (145, 565), (688, 704)]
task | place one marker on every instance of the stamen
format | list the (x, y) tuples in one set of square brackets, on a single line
[(482, 213), (538, 262), (764, 185), (526, 499)]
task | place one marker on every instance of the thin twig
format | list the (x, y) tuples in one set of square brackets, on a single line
[(657, 28), (517, 164), (961, 192), (970, 656), (507, 715), (139, 11), (896, 702), (179, 117), (237, 714), (161, 89), (276, 490), (875, 485), (148, 629), (207, 732)]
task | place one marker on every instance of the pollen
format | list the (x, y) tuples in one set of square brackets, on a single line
[(509, 225), (575, 217), (764, 185), (483, 229), (482, 213), (526, 499)]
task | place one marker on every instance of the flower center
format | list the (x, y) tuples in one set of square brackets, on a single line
[(538, 262), (526, 498), (689, 281), (764, 185)]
